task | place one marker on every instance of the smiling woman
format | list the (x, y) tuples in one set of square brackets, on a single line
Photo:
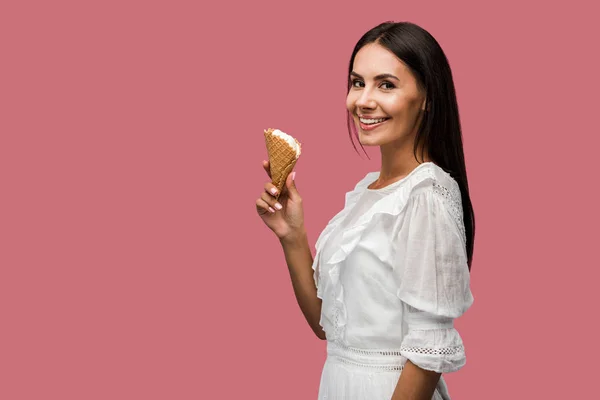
[(392, 269)]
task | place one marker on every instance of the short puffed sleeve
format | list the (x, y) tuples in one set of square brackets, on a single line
[(430, 264), (432, 277)]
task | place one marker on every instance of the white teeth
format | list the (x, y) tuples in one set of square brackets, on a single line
[(371, 121)]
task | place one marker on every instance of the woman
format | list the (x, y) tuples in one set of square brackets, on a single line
[(391, 270)]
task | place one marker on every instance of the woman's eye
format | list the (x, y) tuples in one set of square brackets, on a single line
[(385, 85)]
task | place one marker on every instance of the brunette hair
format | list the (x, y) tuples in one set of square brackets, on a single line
[(440, 129)]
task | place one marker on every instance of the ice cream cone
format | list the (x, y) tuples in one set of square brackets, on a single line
[(284, 151)]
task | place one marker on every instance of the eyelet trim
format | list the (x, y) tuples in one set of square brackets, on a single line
[(452, 198), (442, 351), (376, 359)]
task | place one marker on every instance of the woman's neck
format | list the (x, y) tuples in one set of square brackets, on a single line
[(396, 163)]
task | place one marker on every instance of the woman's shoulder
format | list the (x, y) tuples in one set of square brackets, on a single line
[(430, 181), (431, 177), (443, 188)]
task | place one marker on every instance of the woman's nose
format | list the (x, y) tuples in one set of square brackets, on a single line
[(365, 100)]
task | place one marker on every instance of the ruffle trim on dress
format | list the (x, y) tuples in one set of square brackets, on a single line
[(334, 315), (392, 204), (350, 200)]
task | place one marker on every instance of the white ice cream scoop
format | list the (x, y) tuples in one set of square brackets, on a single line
[(289, 139)]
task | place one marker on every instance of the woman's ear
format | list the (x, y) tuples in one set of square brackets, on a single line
[(424, 104)]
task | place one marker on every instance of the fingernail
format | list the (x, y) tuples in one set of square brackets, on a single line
[(278, 206), (271, 209), (294, 175), (273, 191)]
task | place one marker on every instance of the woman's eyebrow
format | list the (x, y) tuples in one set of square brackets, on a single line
[(378, 77)]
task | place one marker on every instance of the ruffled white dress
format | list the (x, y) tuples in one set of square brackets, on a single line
[(391, 270)]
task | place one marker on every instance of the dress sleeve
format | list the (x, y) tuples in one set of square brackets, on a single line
[(432, 279)]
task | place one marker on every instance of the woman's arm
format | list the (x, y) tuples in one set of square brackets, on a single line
[(415, 383), (299, 260)]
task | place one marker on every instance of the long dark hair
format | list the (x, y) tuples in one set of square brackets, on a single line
[(440, 130)]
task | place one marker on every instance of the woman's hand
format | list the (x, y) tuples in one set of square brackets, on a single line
[(287, 221)]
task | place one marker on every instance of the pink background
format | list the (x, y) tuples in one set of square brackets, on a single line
[(133, 264)]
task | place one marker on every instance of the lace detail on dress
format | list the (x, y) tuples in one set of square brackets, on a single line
[(442, 351), (378, 359), (454, 201), (377, 367)]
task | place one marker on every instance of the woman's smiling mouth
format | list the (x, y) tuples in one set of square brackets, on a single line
[(368, 124)]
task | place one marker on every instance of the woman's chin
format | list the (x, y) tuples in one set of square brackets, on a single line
[(367, 140)]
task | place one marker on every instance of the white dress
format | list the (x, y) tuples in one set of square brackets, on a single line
[(391, 270)]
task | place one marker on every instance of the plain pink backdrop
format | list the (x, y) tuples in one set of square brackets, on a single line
[(133, 264)]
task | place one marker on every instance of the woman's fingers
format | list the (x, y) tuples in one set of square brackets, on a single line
[(261, 204), (270, 188), (267, 167), (270, 200)]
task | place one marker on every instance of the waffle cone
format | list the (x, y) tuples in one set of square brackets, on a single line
[(282, 159)]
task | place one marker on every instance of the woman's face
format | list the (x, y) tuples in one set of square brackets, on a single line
[(383, 87)]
